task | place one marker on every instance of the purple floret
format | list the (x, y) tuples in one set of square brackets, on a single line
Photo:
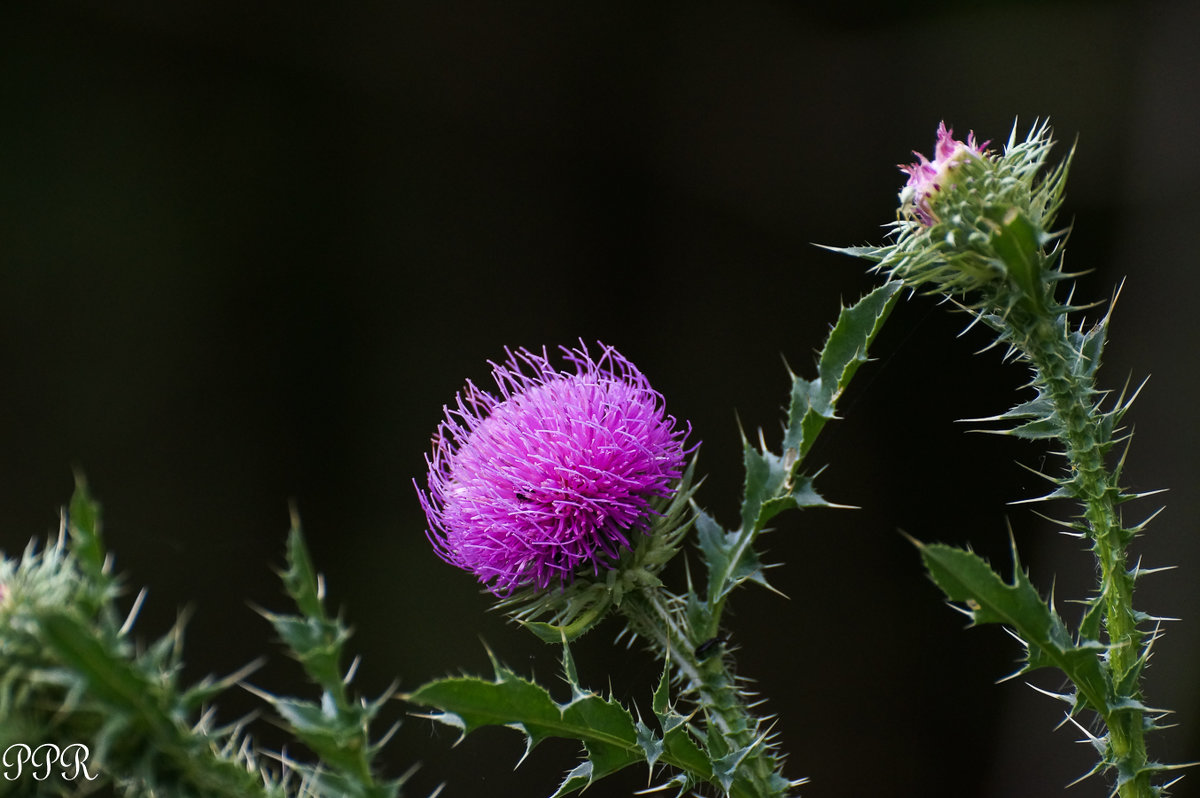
[(926, 178), (553, 473)]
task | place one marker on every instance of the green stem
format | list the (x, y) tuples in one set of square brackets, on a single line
[(714, 688), (1043, 339)]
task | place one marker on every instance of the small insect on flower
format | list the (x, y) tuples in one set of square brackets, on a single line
[(705, 649), (553, 473)]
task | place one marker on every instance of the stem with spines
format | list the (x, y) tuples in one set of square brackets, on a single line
[(656, 616), (1038, 330), (981, 237)]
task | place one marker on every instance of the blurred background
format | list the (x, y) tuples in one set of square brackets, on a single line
[(248, 251)]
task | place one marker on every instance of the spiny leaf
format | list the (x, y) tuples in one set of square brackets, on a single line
[(774, 482), (677, 741), (318, 726), (1089, 346), (1089, 626), (731, 561), (84, 529), (604, 727), (1018, 241), (651, 743), (111, 678), (800, 494), (845, 350), (766, 476), (771, 476), (611, 738), (577, 779), (337, 727), (965, 577), (139, 708), (313, 637), (300, 579), (579, 625), (725, 768)]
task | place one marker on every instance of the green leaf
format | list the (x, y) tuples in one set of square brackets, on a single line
[(604, 727), (845, 350), (1093, 616), (965, 577), (83, 527), (611, 738), (584, 622), (337, 728), (800, 493), (725, 769), (300, 579), (1090, 349), (774, 482), (330, 734), (313, 637), (730, 559), (1018, 242), (766, 476), (1038, 416), (113, 680), (651, 743), (140, 712), (677, 740), (869, 252), (579, 778)]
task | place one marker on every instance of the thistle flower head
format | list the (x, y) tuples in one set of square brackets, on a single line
[(552, 473), (926, 178)]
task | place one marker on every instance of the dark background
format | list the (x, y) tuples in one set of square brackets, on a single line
[(249, 250)]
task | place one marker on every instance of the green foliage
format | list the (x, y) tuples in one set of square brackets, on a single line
[(965, 577), (611, 738), (336, 728), (71, 673), (775, 481), (70, 670)]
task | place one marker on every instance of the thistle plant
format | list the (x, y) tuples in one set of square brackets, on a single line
[(571, 495), (581, 473), (977, 227), (84, 705)]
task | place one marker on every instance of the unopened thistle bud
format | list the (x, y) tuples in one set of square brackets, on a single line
[(552, 476), (976, 224)]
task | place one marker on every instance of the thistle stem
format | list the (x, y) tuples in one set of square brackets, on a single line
[(754, 770), (1042, 337)]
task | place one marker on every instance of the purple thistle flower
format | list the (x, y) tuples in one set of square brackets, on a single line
[(553, 473), (926, 178)]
